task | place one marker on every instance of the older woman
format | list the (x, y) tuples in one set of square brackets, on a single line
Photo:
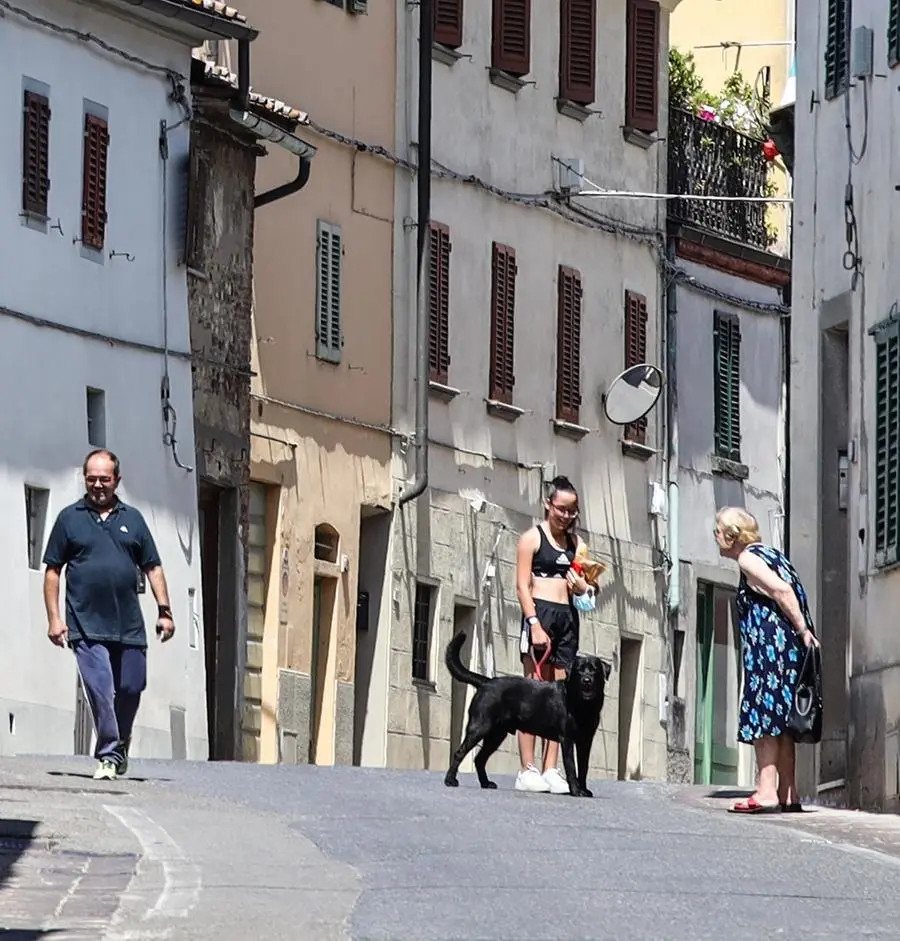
[(776, 626)]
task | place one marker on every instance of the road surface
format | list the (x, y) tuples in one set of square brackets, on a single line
[(222, 852)]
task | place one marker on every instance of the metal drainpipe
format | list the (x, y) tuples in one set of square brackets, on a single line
[(279, 192), (423, 180), (242, 96), (673, 537), (787, 299)]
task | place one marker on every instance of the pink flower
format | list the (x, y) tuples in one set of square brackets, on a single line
[(706, 113)]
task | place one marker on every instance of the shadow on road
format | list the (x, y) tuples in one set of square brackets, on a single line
[(15, 838), (27, 934), (730, 793)]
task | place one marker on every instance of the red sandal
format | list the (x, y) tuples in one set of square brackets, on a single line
[(752, 806)]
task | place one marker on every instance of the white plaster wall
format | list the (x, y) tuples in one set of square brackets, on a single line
[(701, 492), (507, 140), (823, 161), (44, 371)]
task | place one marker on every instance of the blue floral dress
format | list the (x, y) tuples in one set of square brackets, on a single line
[(772, 651)]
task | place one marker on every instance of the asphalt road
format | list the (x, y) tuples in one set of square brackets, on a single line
[(227, 852)]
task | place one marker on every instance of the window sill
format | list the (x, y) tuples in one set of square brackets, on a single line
[(426, 686), (445, 54), (503, 410), (443, 392), (727, 468), (35, 221), (573, 110), (640, 139), (569, 429), (637, 450), (505, 80)]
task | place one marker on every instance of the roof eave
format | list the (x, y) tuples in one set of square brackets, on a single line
[(209, 25)]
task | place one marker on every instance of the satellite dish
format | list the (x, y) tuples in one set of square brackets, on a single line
[(633, 393)]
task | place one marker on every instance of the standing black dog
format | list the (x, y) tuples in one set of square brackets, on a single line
[(566, 711)]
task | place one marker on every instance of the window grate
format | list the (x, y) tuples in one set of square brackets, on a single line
[(421, 647)]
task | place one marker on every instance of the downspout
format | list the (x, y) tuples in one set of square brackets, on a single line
[(242, 96), (673, 537), (423, 180), (279, 192)]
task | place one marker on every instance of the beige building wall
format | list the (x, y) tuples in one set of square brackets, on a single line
[(320, 435), (697, 24)]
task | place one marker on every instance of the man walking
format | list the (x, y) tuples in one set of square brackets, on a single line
[(103, 545)]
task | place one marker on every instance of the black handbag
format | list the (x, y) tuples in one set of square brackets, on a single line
[(804, 721)]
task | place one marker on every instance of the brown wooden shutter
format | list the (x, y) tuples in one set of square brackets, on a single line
[(577, 50), (36, 154), (568, 345), (439, 304), (511, 37), (642, 65), (93, 197), (448, 22), (636, 352), (503, 310)]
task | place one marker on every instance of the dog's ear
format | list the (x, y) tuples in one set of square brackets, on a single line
[(607, 668)]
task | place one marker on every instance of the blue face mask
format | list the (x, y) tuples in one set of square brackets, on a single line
[(585, 602)]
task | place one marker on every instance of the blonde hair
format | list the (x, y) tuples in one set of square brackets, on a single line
[(737, 526)]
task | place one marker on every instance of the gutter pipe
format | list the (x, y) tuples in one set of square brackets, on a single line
[(423, 180), (673, 535)]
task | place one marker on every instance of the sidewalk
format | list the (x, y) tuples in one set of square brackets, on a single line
[(65, 862), (877, 833)]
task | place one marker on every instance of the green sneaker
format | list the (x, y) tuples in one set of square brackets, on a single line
[(106, 770), (122, 768)]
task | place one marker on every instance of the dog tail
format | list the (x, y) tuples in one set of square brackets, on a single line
[(455, 665)]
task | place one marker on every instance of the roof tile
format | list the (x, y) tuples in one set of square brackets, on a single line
[(220, 74)]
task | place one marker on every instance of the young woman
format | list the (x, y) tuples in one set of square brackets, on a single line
[(776, 627), (545, 581)]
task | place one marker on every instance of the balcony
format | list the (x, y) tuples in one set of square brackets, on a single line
[(706, 158)]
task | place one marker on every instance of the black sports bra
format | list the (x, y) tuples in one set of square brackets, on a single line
[(550, 562)]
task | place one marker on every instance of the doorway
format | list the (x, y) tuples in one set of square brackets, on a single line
[(220, 575), (718, 675), (370, 675), (463, 620), (324, 594), (631, 698)]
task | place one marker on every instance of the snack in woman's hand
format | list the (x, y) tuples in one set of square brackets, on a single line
[(590, 568)]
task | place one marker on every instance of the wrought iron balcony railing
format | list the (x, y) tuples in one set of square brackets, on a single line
[(710, 159)]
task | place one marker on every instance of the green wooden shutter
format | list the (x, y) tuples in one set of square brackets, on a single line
[(329, 262), (893, 35), (887, 443), (727, 385), (837, 47)]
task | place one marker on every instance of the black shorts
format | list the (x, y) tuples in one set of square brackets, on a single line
[(560, 622)]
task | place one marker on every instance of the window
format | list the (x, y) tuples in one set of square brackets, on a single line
[(421, 645), (326, 543), (37, 499), (93, 194), (893, 36), (439, 304), (727, 385), (887, 443), (511, 37), (568, 345), (96, 417), (642, 65), (577, 50), (448, 22), (35, 154), (503, 310), (329, 262), (837, 47), (636, 353)]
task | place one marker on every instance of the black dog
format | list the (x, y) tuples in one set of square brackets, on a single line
[(566, 711)]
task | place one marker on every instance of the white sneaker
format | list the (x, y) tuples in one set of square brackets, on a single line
[(556, 783), (531, 780), (106, 770)]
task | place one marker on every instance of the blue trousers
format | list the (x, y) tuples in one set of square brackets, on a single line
[(114, 676)]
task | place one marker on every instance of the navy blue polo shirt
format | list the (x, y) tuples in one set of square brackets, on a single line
[(102, 559)]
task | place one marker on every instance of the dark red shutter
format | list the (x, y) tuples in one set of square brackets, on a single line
[(511, 37), (577, 50), (636, 352), (439, 304), (448, 22), (568, 345), (503, 311), (36, 154), (93, 198), (642, 65)]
